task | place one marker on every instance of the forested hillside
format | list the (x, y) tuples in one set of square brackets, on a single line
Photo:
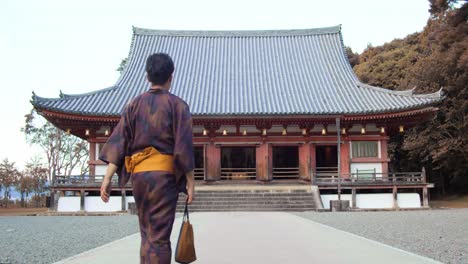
[(429, 60)]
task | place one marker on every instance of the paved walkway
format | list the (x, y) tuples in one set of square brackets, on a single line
[(256, 238)]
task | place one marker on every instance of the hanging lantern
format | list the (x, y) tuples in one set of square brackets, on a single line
[(304, 131), (382, 130), (205, 132), (264, 132), (224, 132), (285, 132), (106, 132), (68, 131), (324, 131), (244, 132), (402, 129), (343, 131), (363, 130), (87, 132)]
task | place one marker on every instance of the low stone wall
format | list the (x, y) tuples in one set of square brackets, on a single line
[(376, 200)]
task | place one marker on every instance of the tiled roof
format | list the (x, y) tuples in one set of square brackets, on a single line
[(276, 72)]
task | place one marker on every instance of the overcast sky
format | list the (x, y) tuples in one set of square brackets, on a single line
[(75, 46)]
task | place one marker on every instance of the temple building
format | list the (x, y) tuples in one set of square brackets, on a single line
[(269, 107)]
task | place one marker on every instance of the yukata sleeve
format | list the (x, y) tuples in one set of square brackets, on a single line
[(183, 145), (117, 146)]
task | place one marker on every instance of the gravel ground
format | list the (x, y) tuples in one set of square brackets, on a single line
[(47, 239), (438, 234)]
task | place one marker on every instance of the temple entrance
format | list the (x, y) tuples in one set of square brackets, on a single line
[(285, 162), (326, 159), (199, 171), (238, 163)]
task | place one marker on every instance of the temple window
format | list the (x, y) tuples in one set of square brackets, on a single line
[(365, 149)]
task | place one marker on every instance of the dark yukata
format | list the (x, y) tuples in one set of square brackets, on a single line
[(161, 120)]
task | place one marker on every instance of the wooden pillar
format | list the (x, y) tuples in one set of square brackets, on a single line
[(312, 162), (304, 162), (262, 158), (92, 158), (82, 200), (395, 197), (213, 162), (124, 199), (345, 161), (269, 175), (353, 198), (425, 198), (384, 155)]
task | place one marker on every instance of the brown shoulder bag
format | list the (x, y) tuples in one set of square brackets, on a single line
[(185, 250)]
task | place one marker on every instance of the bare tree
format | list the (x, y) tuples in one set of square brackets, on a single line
[(64, 153), (24, 185), (8, 178), (34, 179)]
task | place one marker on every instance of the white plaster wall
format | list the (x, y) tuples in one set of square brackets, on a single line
[(98, 149), (294, 128), (317, 128), (229, 129), (95, 204), (367, 166), (372, 128), (68, 204), (249, 129), (369, 128), (409, 200), (376, 200), (198, 129), (130, 199), (101, 170), (326, 198)]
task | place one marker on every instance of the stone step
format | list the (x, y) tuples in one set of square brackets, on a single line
[(197, 196), (249, 200), (249, 209), (252, 193), (251, 206), (258, 205), (248, 204)]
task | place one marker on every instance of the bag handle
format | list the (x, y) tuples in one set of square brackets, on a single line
[(186, 212)]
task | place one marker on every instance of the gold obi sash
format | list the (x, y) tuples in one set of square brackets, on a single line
[(149, 159)]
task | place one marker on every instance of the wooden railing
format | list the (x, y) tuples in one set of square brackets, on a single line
[(199, 174), (238, 173), (370, 178), (326, 170), (286, 173), (82, 179)]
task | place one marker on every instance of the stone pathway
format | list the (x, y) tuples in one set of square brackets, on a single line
[(255, 238)]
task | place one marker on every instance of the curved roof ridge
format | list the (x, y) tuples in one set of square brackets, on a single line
[(238, 33), (408, 93), (129, 58), (35, 98), (435, 95), (64, 96), (114, 87)]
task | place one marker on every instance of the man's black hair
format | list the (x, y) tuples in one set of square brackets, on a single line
[(159, 67)]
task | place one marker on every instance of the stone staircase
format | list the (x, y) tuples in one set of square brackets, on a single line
[(255, 199)]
